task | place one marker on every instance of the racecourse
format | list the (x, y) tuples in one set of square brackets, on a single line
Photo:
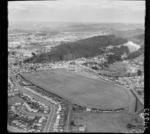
[(80, 89)]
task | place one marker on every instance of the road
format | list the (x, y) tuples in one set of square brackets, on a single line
[(68, 118), (138, 97), (52, 106), (49, 121)]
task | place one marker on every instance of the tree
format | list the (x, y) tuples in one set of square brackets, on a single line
[(13, 52), (130, 126), (140, 92), (15, 63), (72, 123), (72, 63), (105, 65), (33, 54), (139, 72)]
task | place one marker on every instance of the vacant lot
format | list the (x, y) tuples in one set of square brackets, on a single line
[(83, 90)]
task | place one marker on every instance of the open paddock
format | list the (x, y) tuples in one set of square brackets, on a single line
[(106, 122)]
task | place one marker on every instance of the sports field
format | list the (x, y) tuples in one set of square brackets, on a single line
[(80, 89)]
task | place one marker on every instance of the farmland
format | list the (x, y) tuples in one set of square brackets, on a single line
[(80, 89)]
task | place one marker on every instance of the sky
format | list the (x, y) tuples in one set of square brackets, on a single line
[(78, 11)]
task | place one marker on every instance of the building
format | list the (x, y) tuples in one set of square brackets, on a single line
[(88, 109), (82, 128)]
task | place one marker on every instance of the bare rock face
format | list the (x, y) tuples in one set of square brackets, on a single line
[(132, 46)]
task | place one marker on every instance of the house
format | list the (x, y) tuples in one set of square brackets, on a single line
[(82, 128), (88, 109)]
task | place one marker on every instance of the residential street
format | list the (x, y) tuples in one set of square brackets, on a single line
[(52, 106)]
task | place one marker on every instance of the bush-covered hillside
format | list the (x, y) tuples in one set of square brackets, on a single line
[(117, 54), (83, 48), (135, 54)]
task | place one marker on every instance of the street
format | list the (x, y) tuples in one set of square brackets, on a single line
[(52, 106)]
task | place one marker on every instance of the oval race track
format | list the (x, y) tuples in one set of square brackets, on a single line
[(82, 90)]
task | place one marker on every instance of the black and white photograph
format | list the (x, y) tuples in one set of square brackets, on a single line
[(76, 66)]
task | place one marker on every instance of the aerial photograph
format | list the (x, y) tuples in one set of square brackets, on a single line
[(76, 66)]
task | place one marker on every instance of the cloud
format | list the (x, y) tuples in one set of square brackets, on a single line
[(75, 9), (76, 4)]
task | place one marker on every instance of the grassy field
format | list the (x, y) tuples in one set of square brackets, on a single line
[(105, 122), (120, 66), (80, 89), (14, 100)]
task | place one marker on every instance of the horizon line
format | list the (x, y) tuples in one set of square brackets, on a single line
[(77, 22)]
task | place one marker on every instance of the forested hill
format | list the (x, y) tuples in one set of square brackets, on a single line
[(102, 41), (83, 48)]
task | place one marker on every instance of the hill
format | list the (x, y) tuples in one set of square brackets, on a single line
[(136, 53), (105, 27), (83, 48), (118, 52), (135, 35)]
